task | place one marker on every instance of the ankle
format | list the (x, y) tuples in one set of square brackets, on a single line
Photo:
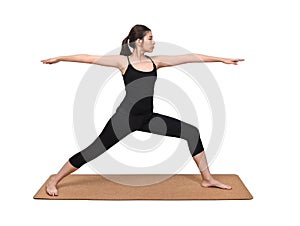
[(53, 179), (206, 175)]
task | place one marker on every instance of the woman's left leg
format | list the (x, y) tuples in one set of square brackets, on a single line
[(165, 125)]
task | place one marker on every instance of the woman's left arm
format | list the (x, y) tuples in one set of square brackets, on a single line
[(205, 58), (171, 60)]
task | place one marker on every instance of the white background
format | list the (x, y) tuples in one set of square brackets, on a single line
[(260, 94)]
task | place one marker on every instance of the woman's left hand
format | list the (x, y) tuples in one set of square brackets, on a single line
[(231, 60)]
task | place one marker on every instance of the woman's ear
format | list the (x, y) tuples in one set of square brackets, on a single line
[(139, 41)]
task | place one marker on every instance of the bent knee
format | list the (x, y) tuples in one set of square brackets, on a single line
[(189, 132)]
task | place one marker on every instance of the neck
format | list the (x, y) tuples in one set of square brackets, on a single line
[(138, 55)]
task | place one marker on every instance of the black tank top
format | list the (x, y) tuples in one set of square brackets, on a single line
[(139, 86)]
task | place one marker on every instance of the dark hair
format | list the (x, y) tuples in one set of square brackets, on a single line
[(137, 32)]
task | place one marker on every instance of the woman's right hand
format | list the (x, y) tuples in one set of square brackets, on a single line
[(50, 61)]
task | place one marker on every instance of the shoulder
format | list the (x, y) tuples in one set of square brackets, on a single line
[(123, 60), (172, 60), (156, 60)]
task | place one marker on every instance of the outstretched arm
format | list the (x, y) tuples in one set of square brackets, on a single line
[(108, 60), (165, 60)]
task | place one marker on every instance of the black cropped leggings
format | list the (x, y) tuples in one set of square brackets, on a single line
[(121, 124)]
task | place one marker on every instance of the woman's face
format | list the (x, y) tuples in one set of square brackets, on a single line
[(148, 42)]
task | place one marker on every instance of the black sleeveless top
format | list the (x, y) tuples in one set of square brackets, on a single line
[(139, 86)]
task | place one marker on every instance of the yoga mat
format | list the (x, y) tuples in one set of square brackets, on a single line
[(174, 187)]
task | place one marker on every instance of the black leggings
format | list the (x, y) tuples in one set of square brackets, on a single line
[(121, 124)]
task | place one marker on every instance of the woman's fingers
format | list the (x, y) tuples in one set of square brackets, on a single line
[(44, 61), (49, 61), (236, 60)]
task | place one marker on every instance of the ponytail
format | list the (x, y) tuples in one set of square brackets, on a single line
[(125, 48)]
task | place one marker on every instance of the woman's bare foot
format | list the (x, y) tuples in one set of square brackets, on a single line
[(214, 183), (207, 179), (51, 186)]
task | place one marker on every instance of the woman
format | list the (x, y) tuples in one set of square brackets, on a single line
[(136, 109)]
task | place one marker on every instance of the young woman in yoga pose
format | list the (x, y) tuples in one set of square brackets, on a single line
[(133, 66)]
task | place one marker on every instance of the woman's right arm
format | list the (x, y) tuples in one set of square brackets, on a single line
[(107, 60)]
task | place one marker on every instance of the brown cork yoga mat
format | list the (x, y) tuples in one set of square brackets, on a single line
[(174, 187)]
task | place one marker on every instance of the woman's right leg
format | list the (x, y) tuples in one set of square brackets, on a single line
[(116, 128), (169, 126)]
